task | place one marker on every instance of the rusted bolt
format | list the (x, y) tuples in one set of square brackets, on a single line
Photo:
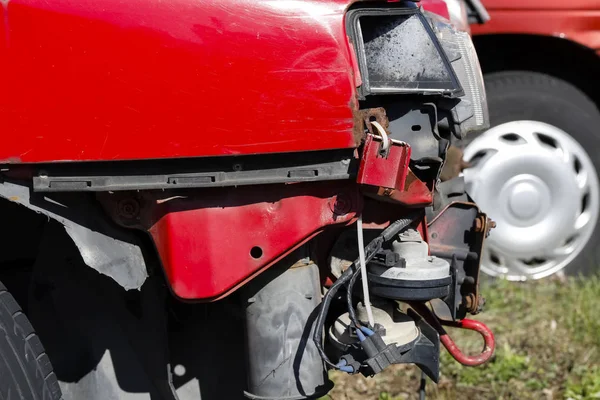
[(341, 204), (479, 224), (470, 302), (474, 305), (129, 208)]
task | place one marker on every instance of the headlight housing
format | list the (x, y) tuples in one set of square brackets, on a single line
[(470, 114), (398, 52)]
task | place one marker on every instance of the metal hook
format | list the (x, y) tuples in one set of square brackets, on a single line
[(480, 327)]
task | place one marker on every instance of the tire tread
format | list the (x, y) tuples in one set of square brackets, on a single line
[(23, 352), (500, 82)]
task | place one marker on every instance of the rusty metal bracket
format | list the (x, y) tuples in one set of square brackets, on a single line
[(362, 122), (378, 114), (457, 234)]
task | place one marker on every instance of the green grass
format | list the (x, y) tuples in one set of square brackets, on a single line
[(548, 347)]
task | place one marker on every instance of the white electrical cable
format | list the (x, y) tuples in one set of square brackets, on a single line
[(363, 271)]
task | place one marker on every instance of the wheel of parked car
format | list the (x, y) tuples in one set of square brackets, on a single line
[(535, 172), (25, 370)]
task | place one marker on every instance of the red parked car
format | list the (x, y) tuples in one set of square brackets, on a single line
[(536, 170), (190, 192)]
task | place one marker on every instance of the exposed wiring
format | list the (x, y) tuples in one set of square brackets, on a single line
[(325, 303), (363, 271), (371, 249), (346, 277), (387, 234), (367, 331), (349, 301), (343, 366)]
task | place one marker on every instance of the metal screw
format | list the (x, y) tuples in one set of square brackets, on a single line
[(469, 301), (129, 208), (479, 224)]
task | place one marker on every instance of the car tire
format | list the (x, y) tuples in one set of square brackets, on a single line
[(25, 370), (531, 96)]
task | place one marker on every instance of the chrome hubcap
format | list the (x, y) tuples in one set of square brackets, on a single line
[(541, 188)]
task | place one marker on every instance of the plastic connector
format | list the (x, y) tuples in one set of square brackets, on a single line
[(380, 355), (366, 331), (384, 358), (348, 364)]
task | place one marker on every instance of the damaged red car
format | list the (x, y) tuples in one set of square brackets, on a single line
[(225, 199)]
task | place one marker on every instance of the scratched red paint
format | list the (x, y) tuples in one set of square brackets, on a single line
[(205, 242), (111, 80)]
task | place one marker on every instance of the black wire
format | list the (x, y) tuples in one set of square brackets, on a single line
[(320, 322), (422, 386), (349, 304), (371, 249), (387, 234)]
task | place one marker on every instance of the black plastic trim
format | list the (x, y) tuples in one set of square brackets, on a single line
[(196, 173)]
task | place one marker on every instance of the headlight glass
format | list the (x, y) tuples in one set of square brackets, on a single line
[(398, 52), (471, 113)]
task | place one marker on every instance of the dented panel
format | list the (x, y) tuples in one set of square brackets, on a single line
[(103, 247), (212, 242)]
